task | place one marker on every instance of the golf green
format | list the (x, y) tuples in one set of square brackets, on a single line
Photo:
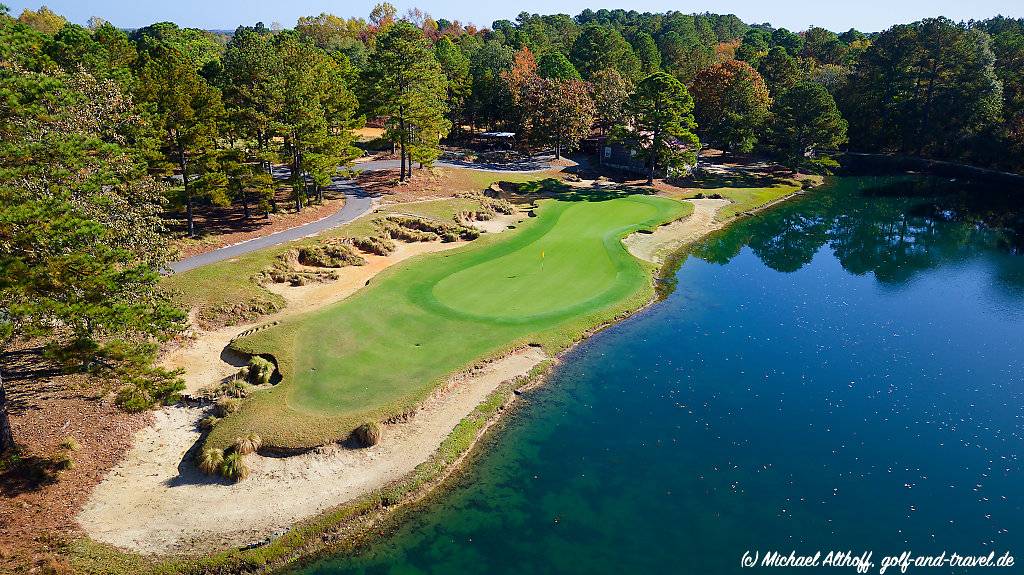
[(380, 352)]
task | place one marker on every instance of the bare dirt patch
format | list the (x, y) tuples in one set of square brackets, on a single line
[(38, 498)]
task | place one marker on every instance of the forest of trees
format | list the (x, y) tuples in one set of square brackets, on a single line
[(103, 129)]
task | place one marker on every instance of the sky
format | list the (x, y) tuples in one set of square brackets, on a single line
[(865, 15)]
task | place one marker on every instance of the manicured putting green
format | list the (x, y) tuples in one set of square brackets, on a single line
[(382, 351)]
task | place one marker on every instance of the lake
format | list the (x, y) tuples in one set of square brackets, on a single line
[(842, 372)]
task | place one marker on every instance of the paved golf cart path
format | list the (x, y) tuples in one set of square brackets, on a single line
[(357, 203)]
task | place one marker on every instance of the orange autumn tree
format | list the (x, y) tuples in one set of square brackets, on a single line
[(731, 105), (517, 80)]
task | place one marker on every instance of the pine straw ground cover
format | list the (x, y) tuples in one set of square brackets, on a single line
[(379, 353)]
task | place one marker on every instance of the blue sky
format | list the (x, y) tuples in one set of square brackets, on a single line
[(866, 15)]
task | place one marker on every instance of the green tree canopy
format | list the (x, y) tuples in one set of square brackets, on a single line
[(81, 239), (602, 47), (806, 122), (185, 110), (406, 85), (927, 88), (660, 123), (555, 65), (732, 104), (455, 65), (779, 70)]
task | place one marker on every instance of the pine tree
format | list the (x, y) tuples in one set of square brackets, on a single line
[(806, 122), (185, 110), (660, 123), (460, 83), (405, 84), (81, 238), (318, 114)]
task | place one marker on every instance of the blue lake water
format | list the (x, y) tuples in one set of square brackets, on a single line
[(843, 372)]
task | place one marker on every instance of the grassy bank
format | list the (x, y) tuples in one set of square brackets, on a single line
[(379, 353)]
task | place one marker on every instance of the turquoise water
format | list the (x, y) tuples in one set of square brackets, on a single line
[(843, 372)]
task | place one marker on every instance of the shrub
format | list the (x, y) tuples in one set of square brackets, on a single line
[(70, 444), (143, 393), (226, 406), (209, 422), (261, 370), (368, 434), (380, 245), (210, 460), (233, 467), (249, 444)]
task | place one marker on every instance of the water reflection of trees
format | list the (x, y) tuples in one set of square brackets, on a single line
[(891, 227)]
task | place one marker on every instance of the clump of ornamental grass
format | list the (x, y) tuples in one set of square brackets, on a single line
[(249, 444), (329, 255), (70, 444), (498, 205), (402, 233), (368, 434), (225, 406), (448, 232), (260, 370), (63, 462), (380, 245), (209, 422), (233, 467), (235, 387), (210, 460)]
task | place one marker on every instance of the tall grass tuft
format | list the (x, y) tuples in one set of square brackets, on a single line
[(249, 444), (368, 434), (210, 460), (233, 467), (70, 444), (225, 406), (260, 370), (209, 422)]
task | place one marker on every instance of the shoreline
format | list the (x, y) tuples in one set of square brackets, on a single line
[(340, 526)]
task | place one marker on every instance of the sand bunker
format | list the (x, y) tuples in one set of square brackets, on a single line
[(670, 237)]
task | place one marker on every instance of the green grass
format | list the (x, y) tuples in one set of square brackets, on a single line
[(382, 351), (217, 290), (744, 199), (479, 179)]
